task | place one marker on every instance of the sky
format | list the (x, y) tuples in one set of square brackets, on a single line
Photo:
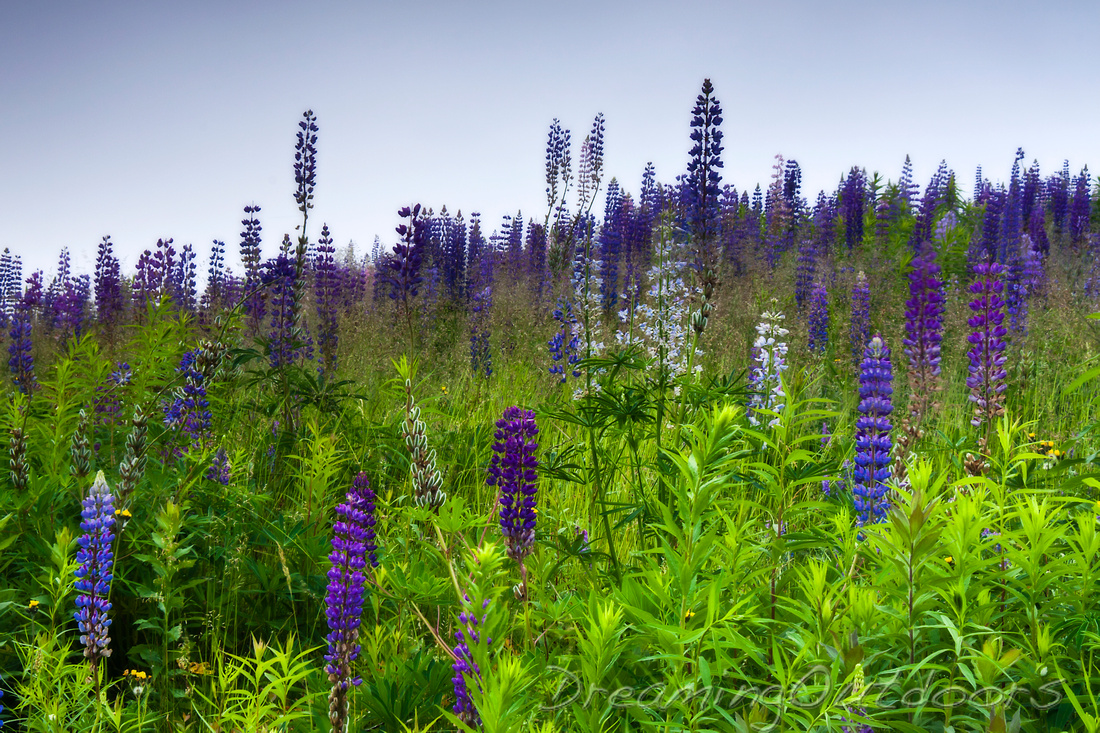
[(146, 120)]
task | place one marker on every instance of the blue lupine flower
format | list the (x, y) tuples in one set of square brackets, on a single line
[(873, 444), (94, 574), (352, 546)]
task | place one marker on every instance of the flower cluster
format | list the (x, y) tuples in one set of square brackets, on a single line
[(924, 330), (512, 470), (769, 352), (873, 445), (326, 287), (481, 355), (464, 667), (565, 344), (663, 320), (189, 410), (987, 358), (280, 276), (352, 546), (426, 479), (94, 574), (221, 470), (819, 318)]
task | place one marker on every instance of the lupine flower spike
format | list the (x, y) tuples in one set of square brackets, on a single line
[(465, 667), (872, 468), (769, 352), (426, 479), (987, 358), (512, 471), (94, 574), (352, 547)]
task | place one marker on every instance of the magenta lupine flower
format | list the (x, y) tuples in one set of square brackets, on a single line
[(924, 329), (94, 574), (352, 546), (873, 444), (513, 471), (987, 359)]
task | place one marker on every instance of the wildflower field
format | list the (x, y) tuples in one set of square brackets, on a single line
[(685, 457)]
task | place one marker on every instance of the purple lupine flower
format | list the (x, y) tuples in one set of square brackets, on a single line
[(221, 469), (1058, 194), (856, 728), (853, 201), (481, 354), (1, 709), (565, 346), (873, 444), (407, 256), (935, 195), (326, 284), (859, 328), (352, 547), (182, 282), (11, 285), (819, 318), (465, 667), (924, 330), (94, 574), (1080, 208), (987, 358), (611, 238), (703, 180), (280, 276), (21, 358), (189, 410), (513, 471), (250, 258), (305, 165), (804, 272), (108, 285)]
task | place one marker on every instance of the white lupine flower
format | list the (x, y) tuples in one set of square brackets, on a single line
[(769, 353), (661, 323)]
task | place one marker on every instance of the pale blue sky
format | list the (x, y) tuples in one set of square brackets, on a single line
[(145, 120)]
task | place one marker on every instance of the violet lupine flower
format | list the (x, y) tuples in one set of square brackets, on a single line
[(819, 318), (250, 258), (21, 358), (804, 272), (189, 410), (221, 469), (987, 358), (465, 667), (94, 574), (352, 546), (563, 351), (853, 201), (481, 354), (407, 256), (108, 285), (1, 709), (326, 284), (769, 352), (280, 276), (703, 180), (859, 329), (873, 444), (305, 164), (513, 471), (1080, 208), (924, 330)]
